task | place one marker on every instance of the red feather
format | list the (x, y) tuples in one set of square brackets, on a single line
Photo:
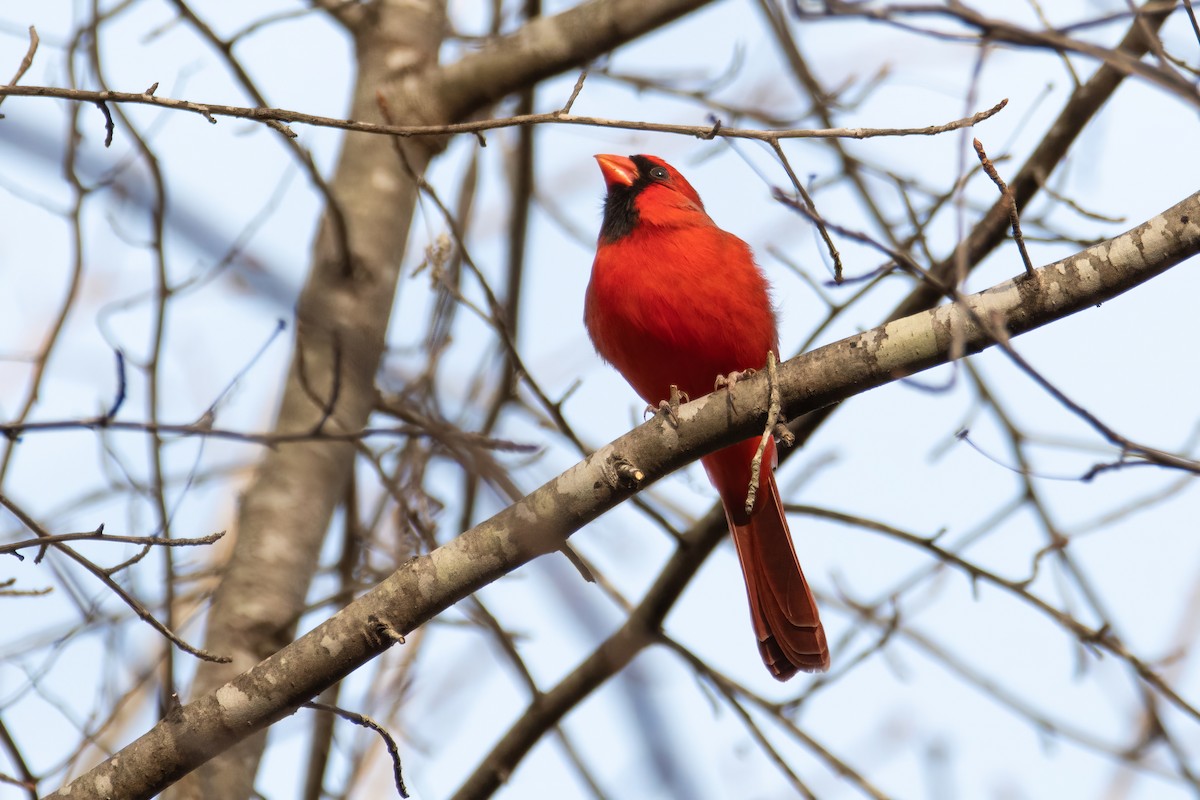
[(675, 300)]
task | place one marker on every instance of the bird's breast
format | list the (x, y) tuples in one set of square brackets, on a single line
[(678, 307)]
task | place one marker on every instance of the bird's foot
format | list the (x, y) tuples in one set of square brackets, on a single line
[(670, 408), (731, 380)]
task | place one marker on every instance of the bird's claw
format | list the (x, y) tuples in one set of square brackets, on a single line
[(731, 380), (670, 408)]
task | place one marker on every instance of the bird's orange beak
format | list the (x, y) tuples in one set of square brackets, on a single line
[(618, 170)]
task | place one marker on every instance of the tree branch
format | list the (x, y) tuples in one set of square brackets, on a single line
[(539, 523), (212, 111)]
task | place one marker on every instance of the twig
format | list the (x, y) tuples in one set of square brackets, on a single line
[(28, 780), (266, 115), (566, 109), (27, 61), (834, 255), (109, 127), (1009, 200), (15, 430), (1095, 639), (99, 535), (773, 411), (106, 578), (367, 722)]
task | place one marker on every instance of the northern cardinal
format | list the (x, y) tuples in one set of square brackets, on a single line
[(676, 301)]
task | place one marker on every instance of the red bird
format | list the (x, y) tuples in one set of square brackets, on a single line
[(676, 301)]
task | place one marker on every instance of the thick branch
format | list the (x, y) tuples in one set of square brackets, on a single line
[(1079, 110), (342, 320), (539, 523), (898, 348), (544, 47)]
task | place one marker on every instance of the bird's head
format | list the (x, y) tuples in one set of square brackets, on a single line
[(645, 190)]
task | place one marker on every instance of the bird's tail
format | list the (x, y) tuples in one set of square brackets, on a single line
[(782, 608)]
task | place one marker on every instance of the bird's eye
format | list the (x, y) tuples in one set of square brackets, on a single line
[(658, 173)]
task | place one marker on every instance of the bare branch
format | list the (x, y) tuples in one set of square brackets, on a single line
[(266, 115), (539, 523), (27, 61)]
